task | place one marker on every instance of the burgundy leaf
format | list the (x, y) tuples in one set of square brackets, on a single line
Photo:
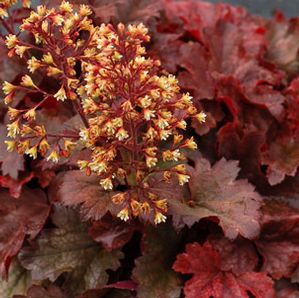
[(75, 188), (25, 216), (210, 279), (216, 193), (111, 233)]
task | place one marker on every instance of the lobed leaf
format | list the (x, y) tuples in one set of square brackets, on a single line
[(216, 193)]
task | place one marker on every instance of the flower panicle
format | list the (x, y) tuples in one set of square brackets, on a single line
[(134, 113)]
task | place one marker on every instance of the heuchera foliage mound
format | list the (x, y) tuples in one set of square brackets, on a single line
[(148, 149)]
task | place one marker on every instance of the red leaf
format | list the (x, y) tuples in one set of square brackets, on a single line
[(12, 163), (210, 279), (279, 243), (25, 216), (231, 44), (281, 258), (15, 186), (284, 289), (111, 233), (38, 292), (75, 188), (238, 257), (282, 157), (126, 11), (283, 38), (216, 193), (197, 77)]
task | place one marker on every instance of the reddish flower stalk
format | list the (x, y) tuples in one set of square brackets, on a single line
[(133, 112)]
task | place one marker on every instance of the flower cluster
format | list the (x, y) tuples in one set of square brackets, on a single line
[(136, 117), (6, 4), (132, 111), (63, 37)]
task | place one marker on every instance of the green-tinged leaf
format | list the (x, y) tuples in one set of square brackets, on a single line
[(19, 280), (75, 188), (153, 271), (216, 193), (69, 248)]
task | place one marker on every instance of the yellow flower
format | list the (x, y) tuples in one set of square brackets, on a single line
[(122, 134), (54, 157), (164, 134), (9, 98), (45, 26), (162, 123), (65, 6), (151, 151), (146, 208), (190, 144), (161, 204), (44, 146), (13, 113), (11, 145), (186, 99), (58, 19), (98, 166), (148, 114), (118, 198), (83, 164), (13, 129), (48, 59), (27, 81), (33, 64), (23, 146), (183, 178), (123, 214), (145, 101), (171, 155), (8, 88), (177, 139), (106, 183), (32, 152), (85, 10), (53, 71), (182, 124), (60, 94), (69, 145), (201, 117), (180, 168), (151, 161), (159, 217), (136, 207), (11, 41), (20, 50), (30, 114), (3, 13)]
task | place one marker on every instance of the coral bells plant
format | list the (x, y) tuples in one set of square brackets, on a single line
[(133, 114), (148, 149)]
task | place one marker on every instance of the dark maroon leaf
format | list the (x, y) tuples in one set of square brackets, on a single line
[(111, 233), (75, 188), (18, 218)]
